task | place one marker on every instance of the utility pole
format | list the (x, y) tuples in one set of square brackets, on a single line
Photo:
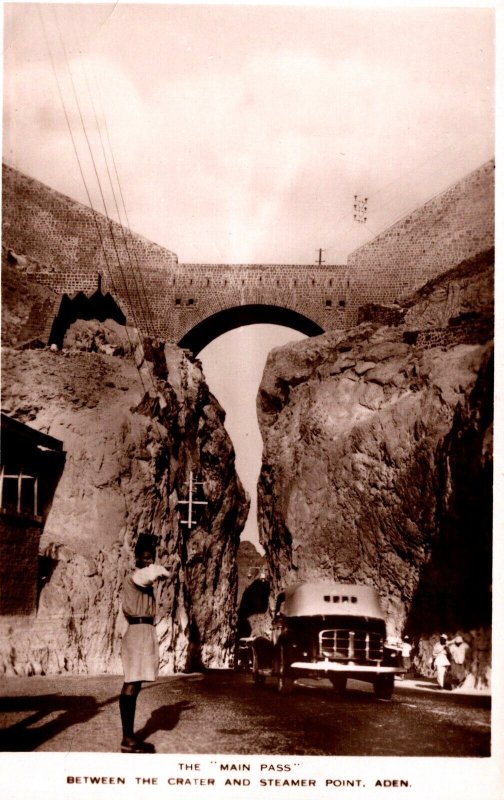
[(320, 259), (360, 208)]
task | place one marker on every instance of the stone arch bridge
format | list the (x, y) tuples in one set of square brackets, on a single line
[(209, 299)]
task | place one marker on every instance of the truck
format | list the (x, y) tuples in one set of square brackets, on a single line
[(327, 630)]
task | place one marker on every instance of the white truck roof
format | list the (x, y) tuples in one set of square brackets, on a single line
[(328, 598)]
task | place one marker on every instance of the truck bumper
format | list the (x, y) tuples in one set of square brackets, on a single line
[(348, 669)]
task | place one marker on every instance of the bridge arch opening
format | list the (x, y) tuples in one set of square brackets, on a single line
[(239, 316)]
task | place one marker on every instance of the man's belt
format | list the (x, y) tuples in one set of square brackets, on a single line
[(141, 620)]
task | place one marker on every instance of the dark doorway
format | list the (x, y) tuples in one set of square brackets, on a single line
[(99, 306)]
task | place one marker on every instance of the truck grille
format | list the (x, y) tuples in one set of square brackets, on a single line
[(351, 645)]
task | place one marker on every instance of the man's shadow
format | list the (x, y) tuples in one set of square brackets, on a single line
[(163, 719), (31, 732)]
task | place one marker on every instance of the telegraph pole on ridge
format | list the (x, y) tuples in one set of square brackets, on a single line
[(360, 208)]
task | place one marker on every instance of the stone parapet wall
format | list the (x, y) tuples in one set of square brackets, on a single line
[(476, 331), (450, 228), (200, 290)]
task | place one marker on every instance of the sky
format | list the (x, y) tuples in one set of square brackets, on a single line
[(241, 134)]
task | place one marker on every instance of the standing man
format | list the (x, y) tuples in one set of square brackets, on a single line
[(440, 660), (406, 648), (458, 652), (140, 650)]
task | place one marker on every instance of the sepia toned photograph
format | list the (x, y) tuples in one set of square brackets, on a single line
[(247, 401)]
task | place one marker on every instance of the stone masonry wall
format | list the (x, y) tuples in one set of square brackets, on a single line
[(65, 246), (476, 331), (450, 228)]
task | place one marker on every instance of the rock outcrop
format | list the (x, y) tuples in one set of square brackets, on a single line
[(253, 592), (131, 438), (377, 462)]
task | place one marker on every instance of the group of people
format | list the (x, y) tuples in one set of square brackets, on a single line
[(449, 660)]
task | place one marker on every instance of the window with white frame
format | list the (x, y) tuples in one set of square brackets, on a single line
[(18, 492)]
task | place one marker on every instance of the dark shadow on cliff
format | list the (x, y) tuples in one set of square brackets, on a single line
[(29, 734), (454, 591), (254, 601), (164, 719)]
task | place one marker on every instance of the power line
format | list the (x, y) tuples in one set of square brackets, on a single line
[(108, 220), (139, 296), (145, 309), (129, 231), (84, 130), (85, 182), (75, 150)]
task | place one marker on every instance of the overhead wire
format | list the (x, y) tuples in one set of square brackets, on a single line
[(128, 227), (145, 314), (139, 297), (99, 183), (127, 230), (142, 299), (88, 194), (75, 149), (107, 216)]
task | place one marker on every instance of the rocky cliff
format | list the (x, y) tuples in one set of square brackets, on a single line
[(131, 438), (377, 460)]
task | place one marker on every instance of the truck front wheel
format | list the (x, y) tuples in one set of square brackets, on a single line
[(285, 682), (338, 682), (384, 687), (258, 677)]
